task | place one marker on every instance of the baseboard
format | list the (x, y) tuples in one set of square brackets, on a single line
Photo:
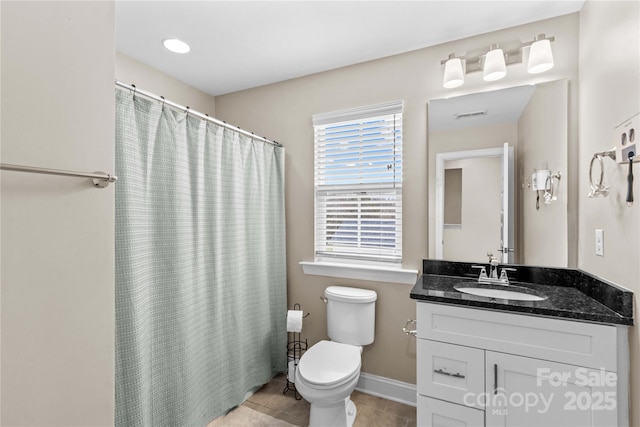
[(387, 388)]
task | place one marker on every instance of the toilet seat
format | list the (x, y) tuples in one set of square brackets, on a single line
[(329, 364)]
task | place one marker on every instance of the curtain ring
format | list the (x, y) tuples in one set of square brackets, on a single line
[(163, 100), (134, 90)]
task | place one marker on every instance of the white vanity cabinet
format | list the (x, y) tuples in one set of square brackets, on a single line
[(481, 367)]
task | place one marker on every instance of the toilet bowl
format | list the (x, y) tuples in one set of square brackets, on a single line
[(327, 375)]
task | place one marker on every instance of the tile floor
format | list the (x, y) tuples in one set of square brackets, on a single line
[(372, 411)]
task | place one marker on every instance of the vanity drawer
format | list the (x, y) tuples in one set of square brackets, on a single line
[(576, 343), (449, 372), (437, 413)]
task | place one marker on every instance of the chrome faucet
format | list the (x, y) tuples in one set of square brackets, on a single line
[(493, 272), (493, 266)]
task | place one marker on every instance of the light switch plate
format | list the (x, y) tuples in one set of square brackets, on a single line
[(599, 242)]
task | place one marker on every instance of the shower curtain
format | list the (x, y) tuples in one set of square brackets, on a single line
[(200, 265)]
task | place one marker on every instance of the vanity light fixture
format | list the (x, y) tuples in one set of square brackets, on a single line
[(494, 67), (493, 63), (176, 46), (453, 72), (540, 55)]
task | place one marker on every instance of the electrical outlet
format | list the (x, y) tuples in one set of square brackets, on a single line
[(599, 242), (625, 136)]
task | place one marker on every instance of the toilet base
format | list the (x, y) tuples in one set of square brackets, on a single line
[(352, 411), (341, 414)]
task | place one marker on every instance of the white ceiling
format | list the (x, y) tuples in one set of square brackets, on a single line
[(237, 45)]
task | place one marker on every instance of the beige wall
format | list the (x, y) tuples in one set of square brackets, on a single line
[(283, 112), (610, 93), (130, 71), (541, 229), (57, 232)]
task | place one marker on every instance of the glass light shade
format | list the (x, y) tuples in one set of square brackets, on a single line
[(453, 73), (540, 57), (494, 66), (176, 46)]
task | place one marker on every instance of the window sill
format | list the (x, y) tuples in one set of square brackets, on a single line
[(361, 272)]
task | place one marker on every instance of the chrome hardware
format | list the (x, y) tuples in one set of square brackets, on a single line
[(503, 275), (443, 372), (100, 179), (493, 265), (411, 332), (324, 299), (483, 272), (505, 250), (493, 278)]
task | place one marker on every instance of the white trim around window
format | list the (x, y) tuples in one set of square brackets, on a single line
[(360, 272)]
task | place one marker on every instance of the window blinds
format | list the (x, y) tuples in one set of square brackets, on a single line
[(358, 184)]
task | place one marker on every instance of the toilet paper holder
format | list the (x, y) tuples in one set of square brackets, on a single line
[(295, 348)]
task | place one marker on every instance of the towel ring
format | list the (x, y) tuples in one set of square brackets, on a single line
[(550, 190), (599, 189)]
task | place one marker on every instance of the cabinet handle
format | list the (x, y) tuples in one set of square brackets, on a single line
[(495, 378), (456, 375)]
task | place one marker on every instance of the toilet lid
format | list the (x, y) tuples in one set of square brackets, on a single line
[(328, 363)]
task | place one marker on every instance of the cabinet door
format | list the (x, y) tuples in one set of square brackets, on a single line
[(438, 413), (522, 391)]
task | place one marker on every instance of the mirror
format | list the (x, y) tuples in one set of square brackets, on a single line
[(470, 201)]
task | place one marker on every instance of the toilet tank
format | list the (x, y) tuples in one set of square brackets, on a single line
[(351, 314)]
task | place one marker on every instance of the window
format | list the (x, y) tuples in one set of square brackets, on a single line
[(358, 184)]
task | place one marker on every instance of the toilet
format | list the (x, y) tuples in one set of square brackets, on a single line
[(328, 372)]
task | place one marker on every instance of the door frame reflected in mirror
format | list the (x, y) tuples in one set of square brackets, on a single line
[(505, 253)]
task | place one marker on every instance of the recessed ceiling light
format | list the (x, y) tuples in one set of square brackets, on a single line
[(176, 46)]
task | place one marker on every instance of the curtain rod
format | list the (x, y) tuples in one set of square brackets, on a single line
[(161, 99), (100, 179)]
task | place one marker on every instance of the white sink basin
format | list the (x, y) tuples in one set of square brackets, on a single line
[(509, 292)]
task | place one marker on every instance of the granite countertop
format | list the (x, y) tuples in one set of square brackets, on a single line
[(572, 294)]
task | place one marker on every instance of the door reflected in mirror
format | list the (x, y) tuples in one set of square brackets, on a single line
[(473, 209), (475, 225)]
